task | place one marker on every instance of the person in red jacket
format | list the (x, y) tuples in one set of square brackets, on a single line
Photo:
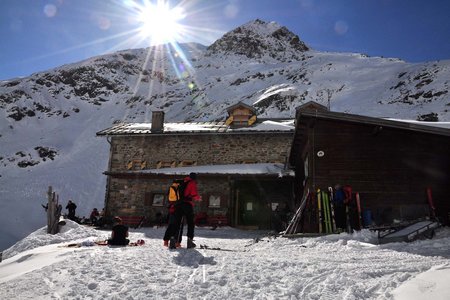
[(186, 208)]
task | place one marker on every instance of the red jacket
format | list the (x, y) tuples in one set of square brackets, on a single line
[(191, 192)]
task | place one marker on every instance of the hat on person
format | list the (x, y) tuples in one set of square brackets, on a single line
[(118, 219), (193, 175)]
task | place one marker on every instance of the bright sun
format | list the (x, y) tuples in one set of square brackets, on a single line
[(160, 22)]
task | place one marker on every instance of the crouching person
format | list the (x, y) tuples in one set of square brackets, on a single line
[(119, 233)]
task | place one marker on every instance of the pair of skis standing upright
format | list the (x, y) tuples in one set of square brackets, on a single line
[(319, 208), (326, 210)]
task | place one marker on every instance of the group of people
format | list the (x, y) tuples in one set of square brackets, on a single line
[(95, 218), (181, 207)]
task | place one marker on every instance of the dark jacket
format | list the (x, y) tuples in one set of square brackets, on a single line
[(119, 235), (71, 207)]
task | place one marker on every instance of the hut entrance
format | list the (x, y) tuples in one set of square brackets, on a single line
[(259, 202)]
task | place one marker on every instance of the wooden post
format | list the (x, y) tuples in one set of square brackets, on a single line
[(49, 209), (53, 212)]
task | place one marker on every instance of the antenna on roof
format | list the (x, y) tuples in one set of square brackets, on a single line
[(329, 99)]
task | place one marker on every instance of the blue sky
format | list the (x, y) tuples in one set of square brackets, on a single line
[(41, 34)]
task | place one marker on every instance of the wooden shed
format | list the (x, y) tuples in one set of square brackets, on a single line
[(390, 163)]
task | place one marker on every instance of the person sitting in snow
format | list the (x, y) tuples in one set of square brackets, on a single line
[(94, 216), (119, 233)]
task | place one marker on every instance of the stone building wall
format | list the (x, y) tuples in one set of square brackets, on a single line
[(203, 149), (134, 195)]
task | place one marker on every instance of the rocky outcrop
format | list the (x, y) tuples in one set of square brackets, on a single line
[(258, 39)]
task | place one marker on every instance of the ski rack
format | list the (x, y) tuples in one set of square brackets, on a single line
[(409, 233)]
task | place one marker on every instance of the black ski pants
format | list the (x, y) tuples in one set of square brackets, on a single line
[(184, 209), (173, 230)]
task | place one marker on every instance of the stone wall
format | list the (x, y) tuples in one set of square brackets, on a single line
[(133, 195), (203, 149)]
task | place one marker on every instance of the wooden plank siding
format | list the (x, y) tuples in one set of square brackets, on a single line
[(390, 167)]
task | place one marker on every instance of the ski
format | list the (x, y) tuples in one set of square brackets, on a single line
[(333, 219), (431, 204), (326, 212), (319, 208), (347, 202), (358, 205), (139, 225), (205, 247), (292, 227)]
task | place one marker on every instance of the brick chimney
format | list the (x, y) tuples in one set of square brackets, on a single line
[(157, 121)]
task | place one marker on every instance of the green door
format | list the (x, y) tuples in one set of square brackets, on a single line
[(253, 209)]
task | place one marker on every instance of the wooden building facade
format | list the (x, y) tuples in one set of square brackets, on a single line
[(390, 163)]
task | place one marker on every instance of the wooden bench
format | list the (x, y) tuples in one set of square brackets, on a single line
[(132, 221), (218, 220)]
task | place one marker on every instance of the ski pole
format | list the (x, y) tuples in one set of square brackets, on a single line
[(180, 229)]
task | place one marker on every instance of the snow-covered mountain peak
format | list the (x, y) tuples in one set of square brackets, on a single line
[(48, 120), (257, 39)]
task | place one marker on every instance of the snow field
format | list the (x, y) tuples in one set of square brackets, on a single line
[(331, 267)]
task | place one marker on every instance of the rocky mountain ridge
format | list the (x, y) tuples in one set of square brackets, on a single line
[(48, 120)]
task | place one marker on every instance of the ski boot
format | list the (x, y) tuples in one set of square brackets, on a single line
[(172, 243), (190, 244)]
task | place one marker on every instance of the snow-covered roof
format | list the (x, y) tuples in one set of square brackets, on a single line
[(439, 128), (269, 125), (433, 124), (276, 169)]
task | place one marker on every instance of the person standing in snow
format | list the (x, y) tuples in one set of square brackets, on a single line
[(71, 207), (119, 233), (186, 208), (339, 207), (173, 197)]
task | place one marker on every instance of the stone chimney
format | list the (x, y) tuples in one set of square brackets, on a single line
[(157, 121)]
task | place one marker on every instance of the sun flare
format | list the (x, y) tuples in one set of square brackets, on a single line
[(160, 23)]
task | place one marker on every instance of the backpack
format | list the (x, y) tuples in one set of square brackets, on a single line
[(176, 191), (339, 196), (348, 194)]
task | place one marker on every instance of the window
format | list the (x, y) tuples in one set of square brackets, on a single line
[(158, 199), (274, 206), (214, 201)]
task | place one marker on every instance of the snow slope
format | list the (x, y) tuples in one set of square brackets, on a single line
[(48, 120), (258, 267)]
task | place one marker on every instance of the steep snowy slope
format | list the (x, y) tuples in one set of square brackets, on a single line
[(48, 120)]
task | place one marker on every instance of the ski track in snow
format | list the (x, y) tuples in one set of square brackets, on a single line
[(336, 267)]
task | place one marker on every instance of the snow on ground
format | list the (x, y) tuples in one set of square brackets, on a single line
[(256, 267)]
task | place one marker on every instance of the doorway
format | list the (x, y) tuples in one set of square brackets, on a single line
[(256, 201)]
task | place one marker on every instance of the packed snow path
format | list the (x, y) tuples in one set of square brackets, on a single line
[(333, 267)]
